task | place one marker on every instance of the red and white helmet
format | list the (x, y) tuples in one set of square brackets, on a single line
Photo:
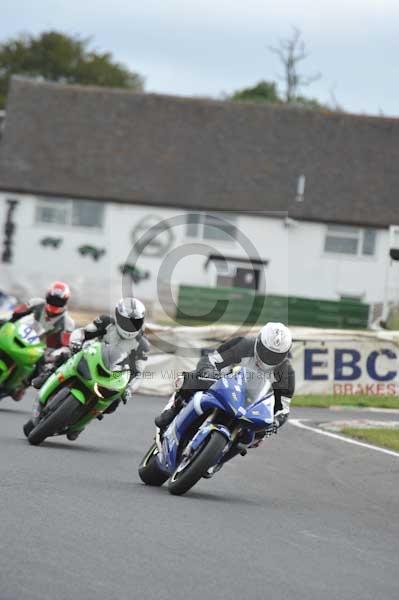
[(57, 297)]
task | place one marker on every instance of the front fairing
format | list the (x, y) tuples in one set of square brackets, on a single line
[(20, 349), (20, 342), (176, 431), (88, 371), (259, 414), (103, 368), (63, 374), (228, 395), (231, 395)]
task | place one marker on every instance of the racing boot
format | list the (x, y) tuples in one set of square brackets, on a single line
[(40, 379), (73, 435), (166, 417), (18, 394)]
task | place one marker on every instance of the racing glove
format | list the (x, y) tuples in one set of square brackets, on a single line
[(76, 341), (59, 356), (209, 373), (126, 396)]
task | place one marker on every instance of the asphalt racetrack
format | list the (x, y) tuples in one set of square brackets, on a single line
[(304, 517)]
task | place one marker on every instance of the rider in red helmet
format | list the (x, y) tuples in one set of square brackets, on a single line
[(57, 297), (51, 313), (53, 316)]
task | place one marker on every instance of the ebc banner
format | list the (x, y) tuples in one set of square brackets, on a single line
[(346, 367)]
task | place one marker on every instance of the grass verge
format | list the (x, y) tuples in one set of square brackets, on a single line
[(387, 438), (362, 401)]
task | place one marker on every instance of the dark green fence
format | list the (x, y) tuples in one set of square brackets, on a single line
[(237, 305)]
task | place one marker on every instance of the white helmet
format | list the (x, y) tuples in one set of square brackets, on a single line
[(272, 345), (129, 317)]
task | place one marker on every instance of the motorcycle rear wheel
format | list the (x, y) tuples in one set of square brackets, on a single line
[(182, 481), (150, 472), (67, 413)]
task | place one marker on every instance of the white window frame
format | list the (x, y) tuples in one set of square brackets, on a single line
[(347, 232), (67, 205), (201, 224)]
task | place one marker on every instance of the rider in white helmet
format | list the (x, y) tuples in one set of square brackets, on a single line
[(264, 356), (124, 331)]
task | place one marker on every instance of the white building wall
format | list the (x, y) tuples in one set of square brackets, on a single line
[(314, 273), (297, 262)]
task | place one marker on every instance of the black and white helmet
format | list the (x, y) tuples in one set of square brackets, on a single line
[(273, 344), (129, 317)]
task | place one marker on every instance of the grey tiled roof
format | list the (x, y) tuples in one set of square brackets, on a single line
[(199, 154)]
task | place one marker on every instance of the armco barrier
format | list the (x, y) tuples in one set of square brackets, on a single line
[(236, 305)]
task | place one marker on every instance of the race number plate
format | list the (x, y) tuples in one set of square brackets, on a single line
[(28, 333)]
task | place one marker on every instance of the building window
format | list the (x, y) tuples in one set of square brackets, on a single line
[(193, 224), (368, 245), (52, 211), (341, 239), (87, 214), (77, 213), (211, 226)]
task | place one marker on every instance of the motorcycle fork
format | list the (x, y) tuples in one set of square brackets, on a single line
[(210, 418), (207, 421), (234, 433)]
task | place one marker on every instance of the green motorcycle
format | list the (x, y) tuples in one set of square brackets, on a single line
[(21, 348), (78, 392)]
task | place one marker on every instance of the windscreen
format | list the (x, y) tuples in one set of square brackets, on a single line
[(258, 385)]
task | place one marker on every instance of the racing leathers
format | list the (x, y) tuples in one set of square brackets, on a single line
[(237, 351), (58, 328), (57, 332), (133, 351), (240, 351)]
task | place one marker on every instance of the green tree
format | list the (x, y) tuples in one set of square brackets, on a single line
[(264, 91), (55, 56), (304, 102)]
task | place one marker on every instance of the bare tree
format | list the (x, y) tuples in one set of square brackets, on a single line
[(334, 103), (291, 52)]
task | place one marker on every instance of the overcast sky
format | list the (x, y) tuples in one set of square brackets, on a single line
[(211, 47)]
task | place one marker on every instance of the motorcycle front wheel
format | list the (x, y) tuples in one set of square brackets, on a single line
[(66, 413), (149, 470), (206, 457)]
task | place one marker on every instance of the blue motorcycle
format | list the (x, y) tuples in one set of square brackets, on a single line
[(212, 427)]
